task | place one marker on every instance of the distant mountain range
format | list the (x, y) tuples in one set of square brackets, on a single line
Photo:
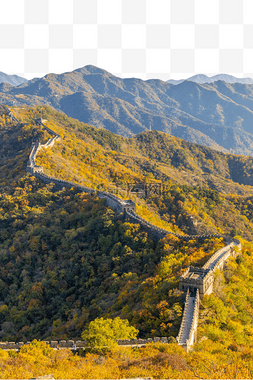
[(201, 78), (14, 80), (218, 114)]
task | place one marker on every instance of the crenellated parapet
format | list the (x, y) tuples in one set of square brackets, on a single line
[(218, 259), (159, 233), (78, 344)]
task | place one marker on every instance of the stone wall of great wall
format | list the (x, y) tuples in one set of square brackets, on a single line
[(159, 233), (188, 329), (5, 111), (195, 282), (77, 344)]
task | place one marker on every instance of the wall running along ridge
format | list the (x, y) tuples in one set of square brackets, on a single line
[(195, 282)]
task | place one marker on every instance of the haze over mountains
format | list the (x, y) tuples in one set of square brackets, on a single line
[(218, 114), (14, 80), (201, 78)]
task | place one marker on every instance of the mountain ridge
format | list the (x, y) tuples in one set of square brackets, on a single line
[(202, 78), (217, 114), (68, 256), (13, 80)]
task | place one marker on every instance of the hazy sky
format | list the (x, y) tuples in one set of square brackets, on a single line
[(129, 38)]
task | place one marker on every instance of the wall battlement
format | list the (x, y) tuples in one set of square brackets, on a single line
[(75, 345)]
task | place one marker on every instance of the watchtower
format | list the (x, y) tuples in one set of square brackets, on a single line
[(128, 205), (197, 278)]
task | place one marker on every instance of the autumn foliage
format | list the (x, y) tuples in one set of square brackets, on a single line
[(67, 259), (159, 361)]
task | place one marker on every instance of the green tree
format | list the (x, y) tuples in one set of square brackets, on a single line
[(105, 332)]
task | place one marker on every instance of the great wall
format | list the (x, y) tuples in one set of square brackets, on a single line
[(194, 283)]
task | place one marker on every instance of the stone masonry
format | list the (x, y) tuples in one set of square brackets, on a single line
[(197, 278)]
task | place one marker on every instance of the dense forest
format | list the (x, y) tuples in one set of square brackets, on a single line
[(66, 258)]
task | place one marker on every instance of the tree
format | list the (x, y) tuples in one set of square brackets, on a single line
[(105, 332)]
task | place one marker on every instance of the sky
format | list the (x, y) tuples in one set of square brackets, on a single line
[(163, 39)]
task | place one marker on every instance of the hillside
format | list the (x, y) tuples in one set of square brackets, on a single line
[(199, 179), (218, 114), (66, 258)]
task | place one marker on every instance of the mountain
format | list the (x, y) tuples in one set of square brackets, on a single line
[(67, 258), (218, 115), (201, 78), (97, 157), (14, 80)]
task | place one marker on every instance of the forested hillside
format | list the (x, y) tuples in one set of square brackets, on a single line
[(66, 258), (212, 187)]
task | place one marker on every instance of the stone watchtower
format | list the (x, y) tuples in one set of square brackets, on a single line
[(197, 278), (128, 205)]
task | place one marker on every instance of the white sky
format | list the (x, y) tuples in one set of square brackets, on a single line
[(130, 38)]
